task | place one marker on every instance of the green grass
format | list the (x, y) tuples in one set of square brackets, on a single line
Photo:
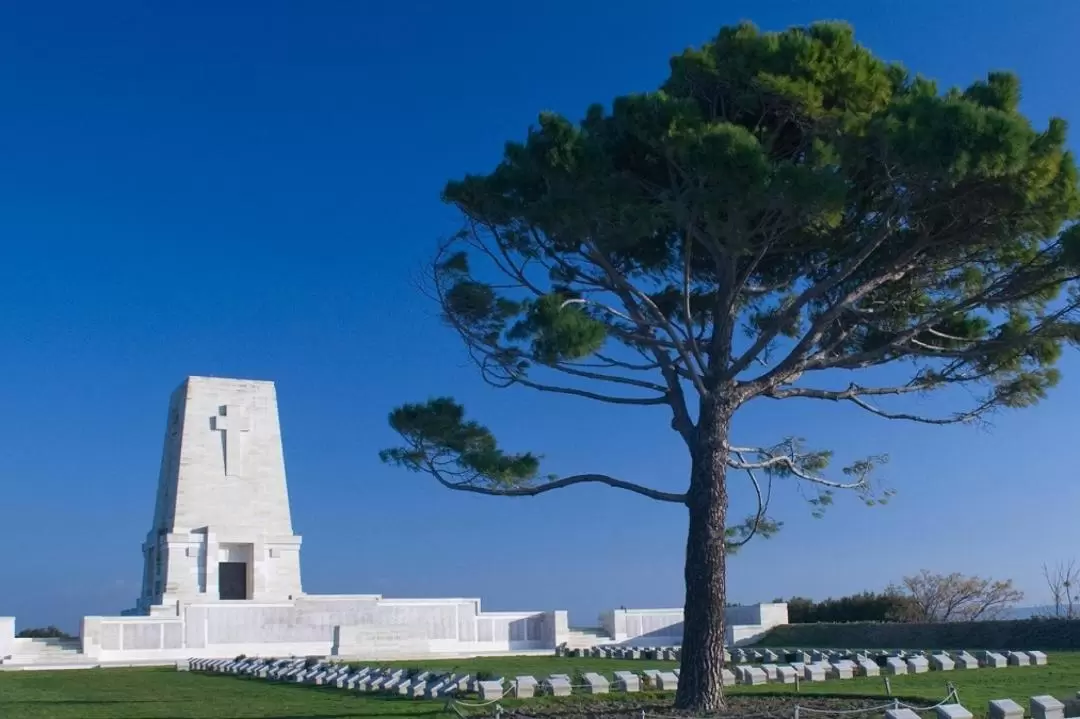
[(167, 694)]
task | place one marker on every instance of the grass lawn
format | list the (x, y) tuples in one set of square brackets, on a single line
[(168, 694)]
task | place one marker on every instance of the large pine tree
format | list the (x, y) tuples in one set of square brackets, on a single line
[(784, 215)]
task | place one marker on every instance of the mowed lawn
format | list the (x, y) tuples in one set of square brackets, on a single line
[(168, 694)]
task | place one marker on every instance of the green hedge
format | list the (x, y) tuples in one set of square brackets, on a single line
[(1017, 634)]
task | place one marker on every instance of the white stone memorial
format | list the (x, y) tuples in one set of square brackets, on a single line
[(785, 674), (993, 660), (1037, 658)]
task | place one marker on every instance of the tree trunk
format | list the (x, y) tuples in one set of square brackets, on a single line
[(700, 684)]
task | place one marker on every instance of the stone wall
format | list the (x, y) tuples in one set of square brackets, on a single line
[(7, 636), (1059, 634), (361, 626)]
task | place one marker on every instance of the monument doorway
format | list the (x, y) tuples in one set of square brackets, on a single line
[(235, 575), (232, 580)]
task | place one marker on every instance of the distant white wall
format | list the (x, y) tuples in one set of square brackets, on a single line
[(7, 636), (664, 627)]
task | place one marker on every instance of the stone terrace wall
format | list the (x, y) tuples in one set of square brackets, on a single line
[(1016, 634)]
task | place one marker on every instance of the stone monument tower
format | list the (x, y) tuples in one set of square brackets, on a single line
[(222, 529)]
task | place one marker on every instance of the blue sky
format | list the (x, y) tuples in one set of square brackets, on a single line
[(248, 189)]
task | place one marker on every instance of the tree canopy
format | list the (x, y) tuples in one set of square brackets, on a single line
[(785, 204)]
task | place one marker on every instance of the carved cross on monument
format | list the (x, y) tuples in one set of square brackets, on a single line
[(230, 421)]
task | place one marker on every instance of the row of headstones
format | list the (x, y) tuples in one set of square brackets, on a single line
[(939, 660), (428, 685), (669, 654), (1041, 707)]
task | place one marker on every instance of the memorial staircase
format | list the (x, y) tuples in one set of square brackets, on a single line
[(587, 638), (45, 653)]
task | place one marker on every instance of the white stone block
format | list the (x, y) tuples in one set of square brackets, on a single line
[(901, 714), (525, 686), (941, 663), (918, 665), (814, 672), (596, 684), (952, 711), (557, 686), (183, 665), (785, 674), (627, 682), (993, 660), (754, 676), (667, 681), (1005, 709), (895, 666), (490, 690), (1037, 658), (727, 677), (841, 670), (770, 671), (867, 668), (1047, 707), (1018, 659), (965, 661)]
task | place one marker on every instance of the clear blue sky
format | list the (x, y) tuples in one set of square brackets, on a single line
[(247, 189)]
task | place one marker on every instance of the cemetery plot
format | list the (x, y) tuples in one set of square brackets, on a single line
[(312, 687)]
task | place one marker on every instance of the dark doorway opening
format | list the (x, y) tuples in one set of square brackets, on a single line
[(232, 580)]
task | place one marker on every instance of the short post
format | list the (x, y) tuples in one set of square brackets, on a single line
[(796, 682), (888, 685), (896, 704), (796, 711)]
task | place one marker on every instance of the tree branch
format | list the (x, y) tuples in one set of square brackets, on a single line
[(604, 479)]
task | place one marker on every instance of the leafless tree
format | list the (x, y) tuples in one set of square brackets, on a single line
[(1063, 580), (957, 598)]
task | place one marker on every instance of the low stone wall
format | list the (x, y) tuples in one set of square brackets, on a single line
[(1059, 634)]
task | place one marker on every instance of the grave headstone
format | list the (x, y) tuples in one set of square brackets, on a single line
[(918, 664), (596, 684), (557, 686), (770, 671), (1018, 659), (941, 662), (785, 674), (627, 682), (903, 713), (993, 660), (895, 666), (668, 682), (1047, 707), (814, 672), (1038, 658), (965, 661), (525, 687), (754, 676), (841, 670), (490, 689), (1005, 709), (952, 711)]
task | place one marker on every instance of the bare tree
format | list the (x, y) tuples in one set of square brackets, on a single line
[(957, 598), (1063, 580)]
